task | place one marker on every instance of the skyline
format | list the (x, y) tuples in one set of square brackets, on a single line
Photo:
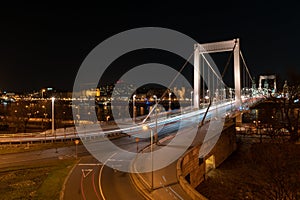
[(45, 47)]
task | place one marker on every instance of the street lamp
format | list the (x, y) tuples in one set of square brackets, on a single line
[(133, 108), (151, 139), (77, 115), (45, 115), (217, 95), (170, 100), (89, 117), (53, 99), (230, 97), (76, 152), (151, 152), (53, 133), (43, 90), (206, 98), (137, 144), (257, 124), (155, 134), (192, 100)]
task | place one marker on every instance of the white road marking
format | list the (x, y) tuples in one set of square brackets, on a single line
[(89, 164), (175, 193), (100, 174), (116, 166), (141, 177), (86, 172)]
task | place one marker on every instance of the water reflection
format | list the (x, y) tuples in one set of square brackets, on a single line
[(104, 112)]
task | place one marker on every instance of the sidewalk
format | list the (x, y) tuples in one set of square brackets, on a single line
[(165, 184)]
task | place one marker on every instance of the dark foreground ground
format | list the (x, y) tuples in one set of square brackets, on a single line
[(256, 171)]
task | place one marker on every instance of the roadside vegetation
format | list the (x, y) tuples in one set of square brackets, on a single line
[(40, 181), (25, 147), (256, 171)]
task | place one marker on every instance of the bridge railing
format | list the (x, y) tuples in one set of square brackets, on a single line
[(90, 130)]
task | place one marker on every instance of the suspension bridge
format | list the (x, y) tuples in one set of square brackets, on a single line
[(210, 95)]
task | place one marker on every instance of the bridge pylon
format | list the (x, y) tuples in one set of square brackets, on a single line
[(217, 47)]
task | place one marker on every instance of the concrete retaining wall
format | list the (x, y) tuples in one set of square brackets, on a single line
[(191, 170)]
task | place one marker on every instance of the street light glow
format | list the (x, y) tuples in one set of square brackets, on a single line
[(145, 127), (53, 99)]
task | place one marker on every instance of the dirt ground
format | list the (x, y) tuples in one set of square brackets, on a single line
[(256, 171)]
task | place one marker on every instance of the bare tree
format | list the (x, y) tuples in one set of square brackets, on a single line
[(278, 171), (290, 109)]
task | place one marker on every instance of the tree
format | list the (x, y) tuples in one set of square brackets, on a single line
[(277, 172), (281, 114), (290, 108)]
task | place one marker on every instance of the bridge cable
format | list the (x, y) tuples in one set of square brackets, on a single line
[(228, 61), (220, 78), (171, 83), (179, 72), (203, 81), (246, 67)]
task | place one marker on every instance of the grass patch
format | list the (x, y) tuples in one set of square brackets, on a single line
[(20, 148), (42, 180), (51, 187)]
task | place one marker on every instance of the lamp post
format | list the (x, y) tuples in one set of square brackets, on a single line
[(53, 132), (192, 100), (137, 144), (207, 95), (151, 152), (27, 120), (44, 127), (155, 134), (257, 124), (53, 99), (77, 115), (217, 96), (170, 100), (206, 98), (133, 108), (151, 139), (230, 96), (76, 152), (43, 90)]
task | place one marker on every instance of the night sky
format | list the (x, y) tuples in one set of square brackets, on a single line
[(44, 45)]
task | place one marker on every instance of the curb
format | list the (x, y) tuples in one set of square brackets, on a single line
[(144, 191), (139, 187), (189, 190), (136, 180)]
